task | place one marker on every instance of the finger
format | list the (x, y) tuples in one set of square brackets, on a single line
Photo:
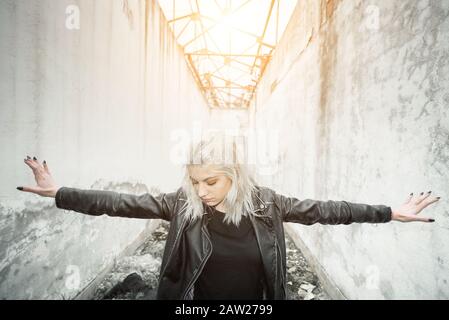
[(36, 165), (46, 167), (419, 219), (422, 196), (428, 201), (28, 189), (410, 196), (33, 160), (30, 163)]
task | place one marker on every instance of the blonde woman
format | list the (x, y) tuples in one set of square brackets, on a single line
[(226, 237)]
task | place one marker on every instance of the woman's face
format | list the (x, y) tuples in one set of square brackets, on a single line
[(211, 186)]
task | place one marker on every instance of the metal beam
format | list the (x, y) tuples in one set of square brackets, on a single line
[(225, 54), (216, 93), (180, 18)]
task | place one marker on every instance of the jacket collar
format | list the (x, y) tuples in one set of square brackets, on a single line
[(264, 232), (259, 204)]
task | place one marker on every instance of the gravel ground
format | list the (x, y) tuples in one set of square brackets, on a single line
[(135, 277)]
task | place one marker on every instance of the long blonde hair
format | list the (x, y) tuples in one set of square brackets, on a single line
[(221, 152)]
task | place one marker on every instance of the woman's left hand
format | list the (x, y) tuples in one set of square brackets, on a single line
[(408, 212)]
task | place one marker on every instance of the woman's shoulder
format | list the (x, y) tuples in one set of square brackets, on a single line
[(268, 195), (264, 189), (265, 193)]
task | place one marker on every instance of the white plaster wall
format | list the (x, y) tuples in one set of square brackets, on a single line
[(99, 104), (362, 115)]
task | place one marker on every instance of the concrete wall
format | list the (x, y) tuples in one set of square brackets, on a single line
[(359, 93), (99, 103)]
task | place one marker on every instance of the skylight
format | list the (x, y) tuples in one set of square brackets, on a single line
[(228, 43)]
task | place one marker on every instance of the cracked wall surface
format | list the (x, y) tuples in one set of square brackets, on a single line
[(359, 94), (90, 101)]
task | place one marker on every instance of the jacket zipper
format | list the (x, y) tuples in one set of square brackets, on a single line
[(260, 249), (197, 274), (282, 270)]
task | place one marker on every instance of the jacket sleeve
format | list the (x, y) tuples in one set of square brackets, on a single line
[(114, 204), (331, 212)]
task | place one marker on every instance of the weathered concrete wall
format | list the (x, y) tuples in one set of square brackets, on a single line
[(99, 103), (359, 93)]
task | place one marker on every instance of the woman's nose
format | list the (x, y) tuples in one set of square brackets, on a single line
[(202, 191)]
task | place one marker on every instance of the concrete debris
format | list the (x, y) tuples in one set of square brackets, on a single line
[(305, 295), (133, 283), (307, 286), (309, 296), (291, 270), (136, 277)]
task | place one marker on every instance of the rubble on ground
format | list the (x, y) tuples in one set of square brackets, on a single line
[(302, 281), (135, 277)]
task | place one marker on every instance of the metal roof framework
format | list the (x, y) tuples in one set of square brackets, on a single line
[(227, 74)]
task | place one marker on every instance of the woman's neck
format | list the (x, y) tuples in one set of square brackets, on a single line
[(220, 207)]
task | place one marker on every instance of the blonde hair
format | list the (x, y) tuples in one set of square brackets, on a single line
[(221, 153)]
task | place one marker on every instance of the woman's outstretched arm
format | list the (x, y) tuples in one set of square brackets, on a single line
[(310, 211), (99, 202)]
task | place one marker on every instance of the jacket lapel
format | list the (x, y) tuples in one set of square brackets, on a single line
[(265, 235)]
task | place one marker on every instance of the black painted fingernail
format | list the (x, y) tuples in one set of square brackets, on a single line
[(431, 220), (45, 162), (28, 157), (438, 197), (429, 191), (411, 194), (422, 193), (20, 188), (34, 158)]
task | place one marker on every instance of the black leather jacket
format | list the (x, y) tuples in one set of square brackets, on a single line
[(188, 246)]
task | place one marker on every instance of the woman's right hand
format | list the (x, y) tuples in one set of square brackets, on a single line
[(46, 186)]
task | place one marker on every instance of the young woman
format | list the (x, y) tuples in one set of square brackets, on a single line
[(226, 237)]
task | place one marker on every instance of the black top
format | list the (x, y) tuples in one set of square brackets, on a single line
[(234, 269)]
